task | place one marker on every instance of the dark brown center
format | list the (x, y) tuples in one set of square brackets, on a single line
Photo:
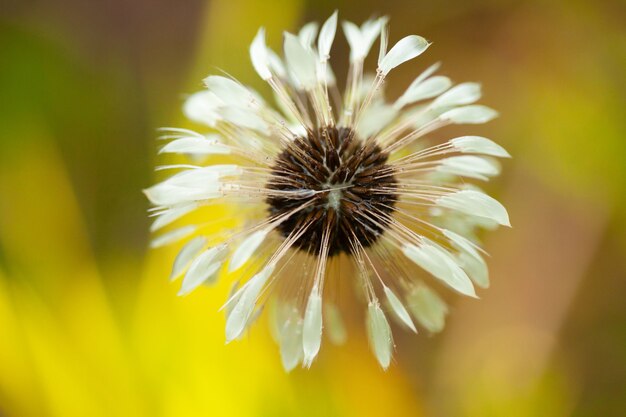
[(347, 183)]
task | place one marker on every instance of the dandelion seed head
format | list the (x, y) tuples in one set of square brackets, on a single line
[(327, 186)]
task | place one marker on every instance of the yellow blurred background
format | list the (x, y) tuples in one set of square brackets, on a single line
[(90, 326)]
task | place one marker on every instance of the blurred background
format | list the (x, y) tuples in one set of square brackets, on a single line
[(89, 325)]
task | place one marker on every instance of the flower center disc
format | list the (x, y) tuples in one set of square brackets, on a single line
[(349, 188)]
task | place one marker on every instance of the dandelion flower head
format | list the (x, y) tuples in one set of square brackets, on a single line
[(328, 187)]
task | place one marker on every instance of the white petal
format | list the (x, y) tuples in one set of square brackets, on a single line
[(259, 56), (476, 268), (384, 43), (230, 92), (197, 176), (462, 243), (335, 328), (399, 309), (172, 236), (423, 90), (205, 267), (256, 313), (427, 73), (469, 259), (327, 35), (406, 49), (276, 64), (301, 61), (225, 170), (169, 195), (176, 132), (291, 341), (244, 118), (191, 185), (278, 314), (307, 33), (427, 308), (246, 300), (369, 32), (355, 40), (196, 145), (475, 203), (171, 215), (468, 166), (176, 166), (439, 263), (186, 255), (201, 107), (234, 294), (312, 327), (464, 93), (379, 334), (245, 250), (478, 144), (475, 114), (362, 39)]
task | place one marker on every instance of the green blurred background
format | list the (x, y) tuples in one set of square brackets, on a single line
[(89, 325)]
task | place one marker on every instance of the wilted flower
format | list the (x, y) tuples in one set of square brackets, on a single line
[(331, 187)]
